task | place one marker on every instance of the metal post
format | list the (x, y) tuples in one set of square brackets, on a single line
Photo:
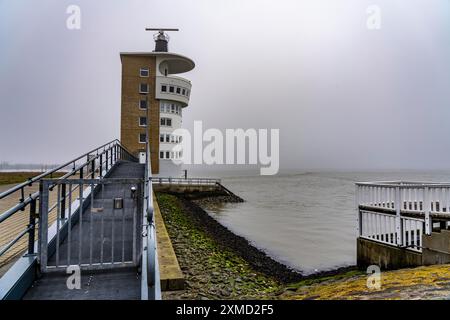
[(427, 210), (358, 212), (93, 168), (107, 161), (43, 225), (398, 218), (63, 201), (31, 232), (101, 166)]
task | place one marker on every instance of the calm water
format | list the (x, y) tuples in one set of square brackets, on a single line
[(307, 221)]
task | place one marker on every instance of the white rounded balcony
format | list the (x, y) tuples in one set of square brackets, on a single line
[(173, 88)]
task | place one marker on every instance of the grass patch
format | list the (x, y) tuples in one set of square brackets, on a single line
[(19, 177)]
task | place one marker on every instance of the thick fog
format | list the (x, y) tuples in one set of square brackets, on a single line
[(346, 91)]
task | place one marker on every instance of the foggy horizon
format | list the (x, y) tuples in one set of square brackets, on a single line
[(344, 97)]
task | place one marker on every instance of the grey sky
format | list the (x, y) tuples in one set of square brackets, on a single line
[(343, 96)]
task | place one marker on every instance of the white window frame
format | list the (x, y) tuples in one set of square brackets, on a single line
[(145, 70), (140, 88), (140, 108), (139, 138), (165, 122), (146, 121)]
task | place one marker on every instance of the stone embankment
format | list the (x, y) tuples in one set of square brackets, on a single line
[(218, 264)]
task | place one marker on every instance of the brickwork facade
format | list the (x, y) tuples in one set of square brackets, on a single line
[(131, 112)]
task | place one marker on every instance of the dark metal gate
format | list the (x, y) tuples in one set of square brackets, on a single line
[(97, 223)]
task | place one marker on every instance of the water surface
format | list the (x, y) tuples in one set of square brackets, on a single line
[(307, 221)]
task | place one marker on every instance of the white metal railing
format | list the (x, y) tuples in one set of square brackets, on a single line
[(187, 181), (398, 212)]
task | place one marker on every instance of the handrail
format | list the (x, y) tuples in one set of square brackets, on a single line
[(113, 151), (186, 180), (403, 184), (151, 287), (419, 203), (30, 181)]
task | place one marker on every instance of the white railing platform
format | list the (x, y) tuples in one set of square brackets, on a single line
[(398, 213), (187, 181)]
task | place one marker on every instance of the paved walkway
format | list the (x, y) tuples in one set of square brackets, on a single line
[(111, 233)]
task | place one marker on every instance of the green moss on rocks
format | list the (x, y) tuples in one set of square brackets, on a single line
[(211, 272)]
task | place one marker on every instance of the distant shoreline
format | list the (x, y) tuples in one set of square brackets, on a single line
[(16, 177)]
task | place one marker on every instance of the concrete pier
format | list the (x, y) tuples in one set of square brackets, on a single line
[(435, 250)]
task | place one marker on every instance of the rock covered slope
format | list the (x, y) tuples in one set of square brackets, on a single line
[(216, 271)]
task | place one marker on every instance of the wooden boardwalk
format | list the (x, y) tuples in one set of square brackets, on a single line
[(11, 227)]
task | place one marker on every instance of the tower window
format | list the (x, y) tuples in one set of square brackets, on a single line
[(143, 88), (166, 122), (167, 137), (171, 89), (143, 121), (163, 88), (142, 138), (167, 154), (184, 92), (161, 138), (143, 104), (144, 72), (161, 154), (178, 90)]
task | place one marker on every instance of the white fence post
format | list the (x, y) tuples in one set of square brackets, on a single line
[(358, 213), (427, 209), (398, 218)]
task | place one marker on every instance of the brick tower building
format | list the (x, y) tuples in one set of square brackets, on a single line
[(153, 96)]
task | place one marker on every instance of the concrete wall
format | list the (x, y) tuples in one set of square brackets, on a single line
[(175, 188), (436, 248), (385, 256)]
